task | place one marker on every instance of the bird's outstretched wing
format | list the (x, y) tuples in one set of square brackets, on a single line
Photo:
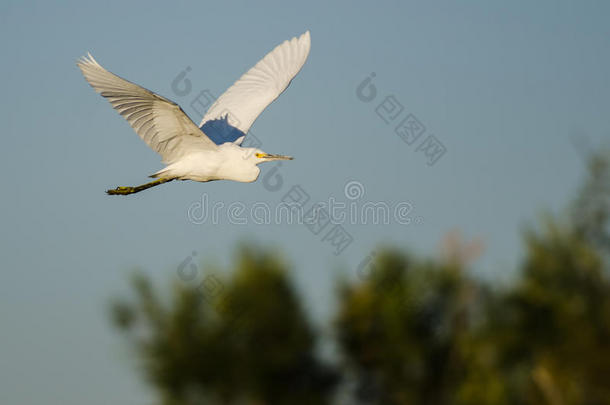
[(160, 122), (237, 109)]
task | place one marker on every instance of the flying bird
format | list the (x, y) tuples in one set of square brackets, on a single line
[(212, 150)]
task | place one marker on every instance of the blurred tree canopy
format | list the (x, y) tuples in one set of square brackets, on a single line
[(243, 340), (408, 330)]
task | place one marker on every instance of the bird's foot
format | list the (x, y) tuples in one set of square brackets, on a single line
[(121, 191), (137, 189)]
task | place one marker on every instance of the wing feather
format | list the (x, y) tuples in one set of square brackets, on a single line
[(246, 99), (160, 122)]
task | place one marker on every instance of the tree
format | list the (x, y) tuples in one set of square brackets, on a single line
[(224, 341), (404, 330), (551, 330)]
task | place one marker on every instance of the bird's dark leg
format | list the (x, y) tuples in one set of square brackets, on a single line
[(137, 189)]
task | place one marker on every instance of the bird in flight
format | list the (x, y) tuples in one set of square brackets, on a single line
[(212, 150)]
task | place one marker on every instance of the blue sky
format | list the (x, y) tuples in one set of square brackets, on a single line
[(504, 87)]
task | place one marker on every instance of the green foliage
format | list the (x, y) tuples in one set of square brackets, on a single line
[(555, 323), (403, 330), (227, 340)]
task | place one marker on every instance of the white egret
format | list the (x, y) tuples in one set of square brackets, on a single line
[(213, 150)]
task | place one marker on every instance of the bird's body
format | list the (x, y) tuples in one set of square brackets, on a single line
[(228, 162), (213, 150)]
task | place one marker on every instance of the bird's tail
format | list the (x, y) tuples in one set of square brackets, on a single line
[(161, 173), (137, 189)]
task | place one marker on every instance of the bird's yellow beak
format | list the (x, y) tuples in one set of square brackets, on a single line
[(269, 156)]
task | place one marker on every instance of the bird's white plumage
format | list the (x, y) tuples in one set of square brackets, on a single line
[(246, 99), (160, 122), (188, 152)]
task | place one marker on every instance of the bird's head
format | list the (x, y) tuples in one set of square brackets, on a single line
[(260, 156)]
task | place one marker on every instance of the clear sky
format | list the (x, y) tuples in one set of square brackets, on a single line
[(504, 87)]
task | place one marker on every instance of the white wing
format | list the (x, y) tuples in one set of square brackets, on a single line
[(254, 91), (161, 123)]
